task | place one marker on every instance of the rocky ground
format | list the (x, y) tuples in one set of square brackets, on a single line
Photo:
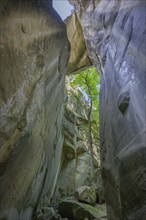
[(72, 208)]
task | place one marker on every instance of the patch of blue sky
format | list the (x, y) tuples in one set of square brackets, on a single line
[(63, 7)]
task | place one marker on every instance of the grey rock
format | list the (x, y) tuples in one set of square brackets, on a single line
[(34, 52), (115, 36), (76, 165), (86, 194), (79, 211)]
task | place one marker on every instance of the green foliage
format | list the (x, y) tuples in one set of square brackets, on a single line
[(88, 82)]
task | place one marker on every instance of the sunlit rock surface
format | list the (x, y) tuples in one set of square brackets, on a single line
[(79, 58), (115, 35), (34, 52), (76, 159)]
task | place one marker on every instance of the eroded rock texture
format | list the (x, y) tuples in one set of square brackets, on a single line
[(76, 159), (115, 34), (73, 209), (79, 58), (34, 52)]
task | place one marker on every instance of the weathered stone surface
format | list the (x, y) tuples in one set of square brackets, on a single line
[(45, 213), (115, 34), (79, 58), (86, 194), (81, 148), (76, 160), (34, 51), (31, 100), (78, 211)]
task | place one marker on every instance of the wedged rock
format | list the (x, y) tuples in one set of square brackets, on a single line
[(78, 211), (79, 58), (86, 194)]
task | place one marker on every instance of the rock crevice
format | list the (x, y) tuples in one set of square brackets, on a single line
[(42, 141)]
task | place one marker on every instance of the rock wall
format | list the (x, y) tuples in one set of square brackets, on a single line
[(76, 160), (34, 52), (115, 34)]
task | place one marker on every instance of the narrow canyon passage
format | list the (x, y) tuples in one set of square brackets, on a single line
[(79, 190), (72, 110)]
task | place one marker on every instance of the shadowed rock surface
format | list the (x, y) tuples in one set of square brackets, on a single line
[(34, 52), (86, 194), (115, 34), (76, 160), (78, 211)]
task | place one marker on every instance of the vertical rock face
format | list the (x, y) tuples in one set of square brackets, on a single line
[(76, 159), (115, 34), (34, 51)]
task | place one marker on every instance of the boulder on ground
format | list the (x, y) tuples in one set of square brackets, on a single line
[(79, 211), (86, 194)]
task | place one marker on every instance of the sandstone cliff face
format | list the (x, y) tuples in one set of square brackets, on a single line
[(76, 159), (79, 58), (115, 34), (34, 53)]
